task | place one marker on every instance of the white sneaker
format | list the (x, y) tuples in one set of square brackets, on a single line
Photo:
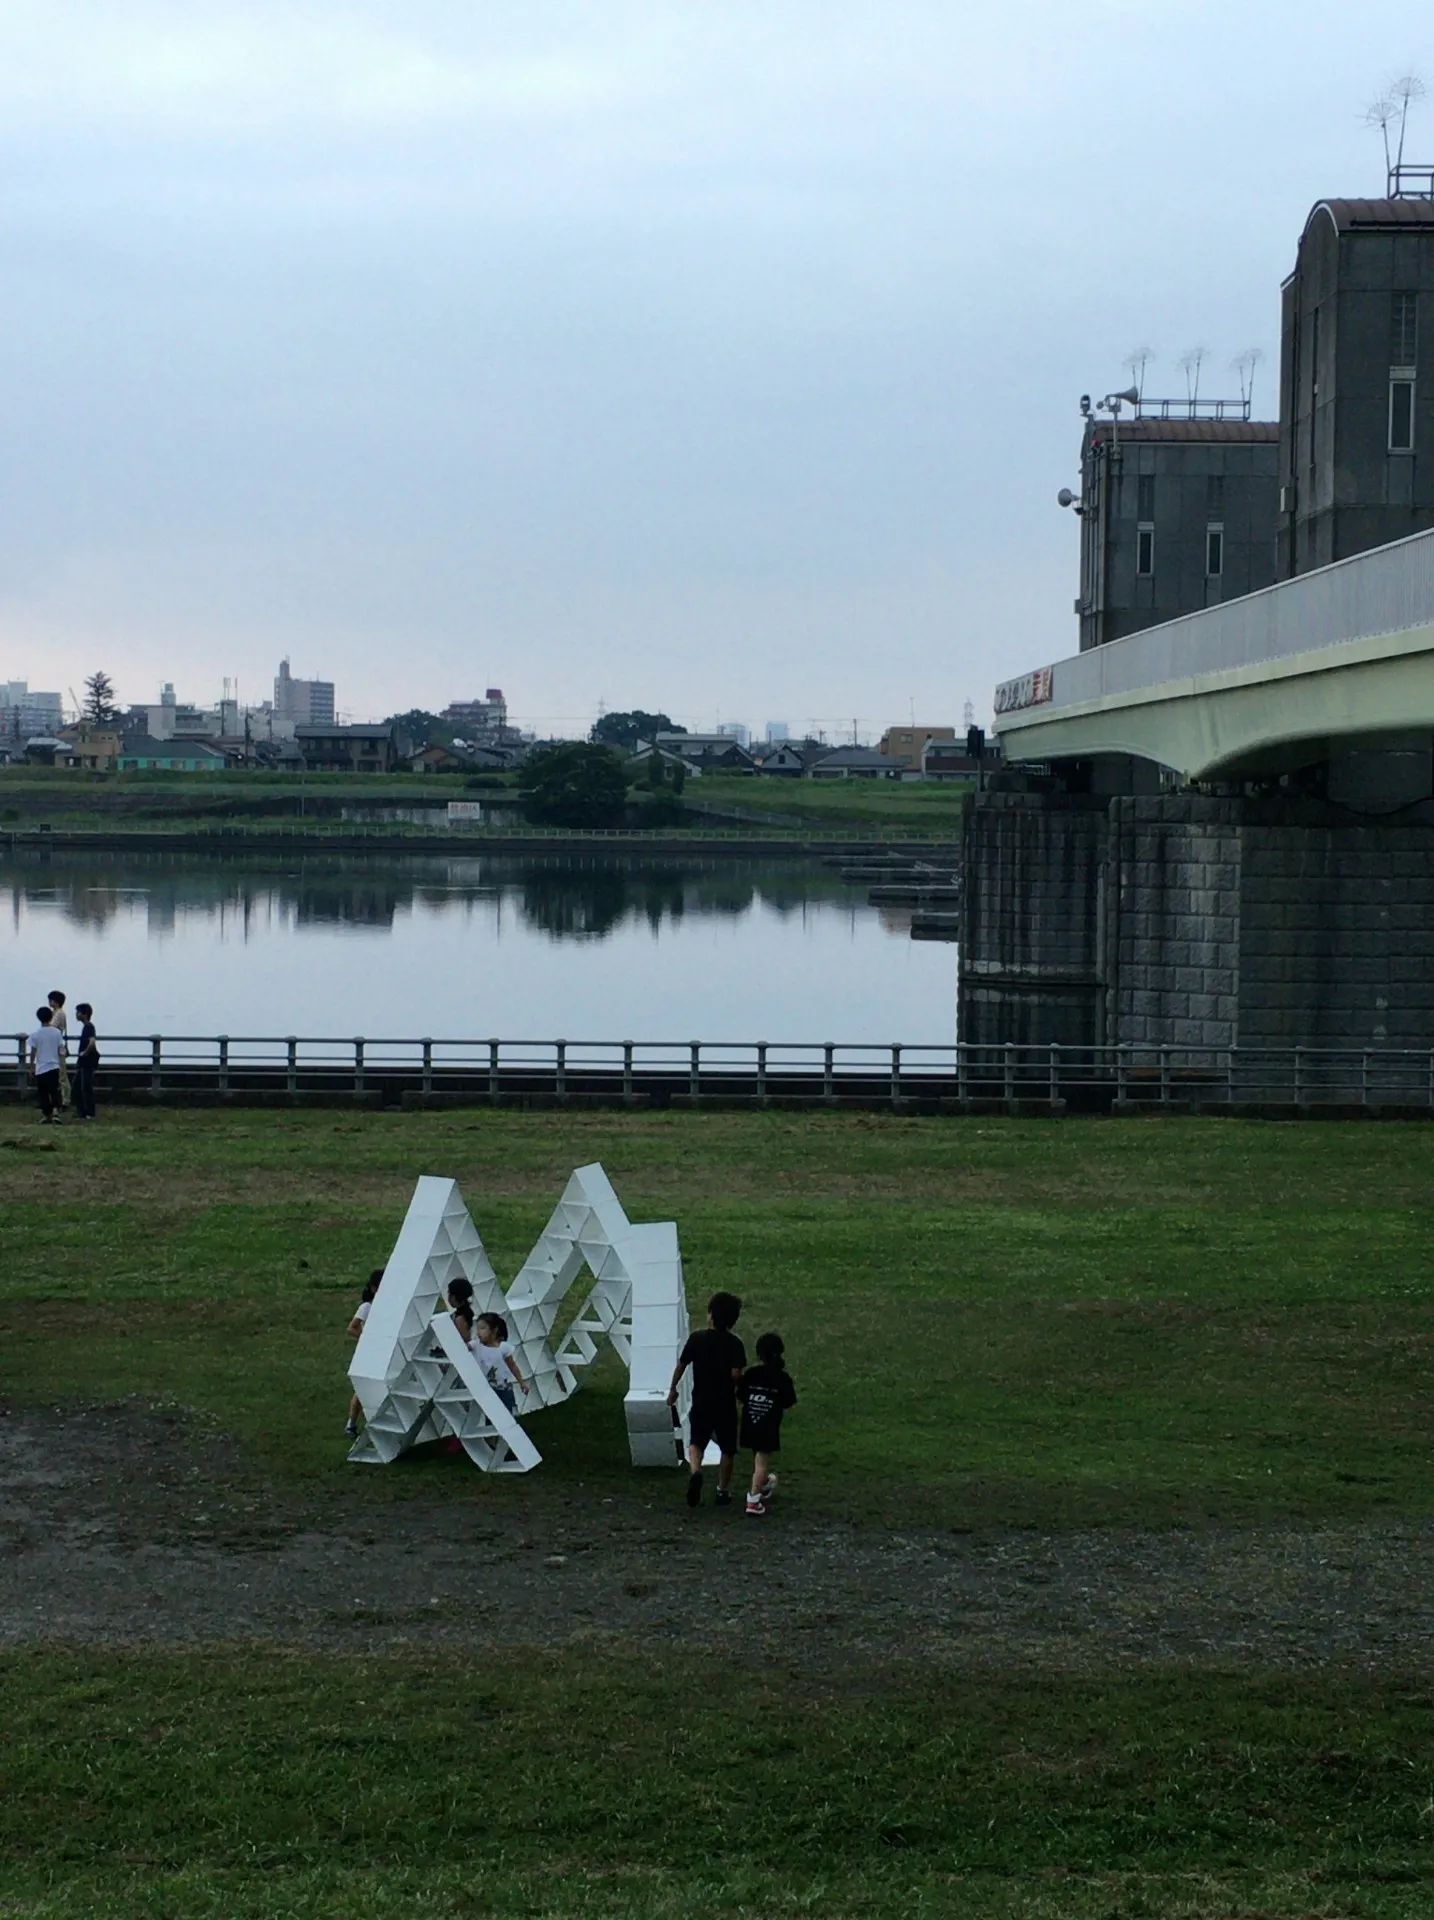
[(768, 1487)]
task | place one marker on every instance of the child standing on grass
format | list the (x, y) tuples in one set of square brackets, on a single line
[(361, 1312), (460, 1308), (86, 1064), (47, 1061), (766, 1391), (497, 1358), (59, 1019), (716, 1357)]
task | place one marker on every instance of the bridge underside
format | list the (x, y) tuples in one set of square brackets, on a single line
[(1362, 697)]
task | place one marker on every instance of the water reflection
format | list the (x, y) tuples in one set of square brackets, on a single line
[(562, 897)]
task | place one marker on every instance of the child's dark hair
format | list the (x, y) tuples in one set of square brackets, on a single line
[(370, 1286), (724, 1310), (55, 995), (497, 1323), (461, 1291), (770, 1348), (84, 1010), (44, 1015)]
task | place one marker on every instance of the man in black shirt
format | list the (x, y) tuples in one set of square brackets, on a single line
[(717, 1358)]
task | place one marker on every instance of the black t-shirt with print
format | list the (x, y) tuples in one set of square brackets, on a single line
[(766, 1393), (712, 1355)]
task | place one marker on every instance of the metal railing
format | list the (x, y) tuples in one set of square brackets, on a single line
[(760, 1072)]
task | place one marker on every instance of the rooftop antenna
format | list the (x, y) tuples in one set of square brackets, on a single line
[(1390, 113), (1244, 365), (1190, 363), (1136, 361)]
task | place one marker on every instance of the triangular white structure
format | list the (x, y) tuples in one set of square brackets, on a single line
[(418, 1381)]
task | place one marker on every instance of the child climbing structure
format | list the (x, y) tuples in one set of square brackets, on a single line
[(417, 1379)]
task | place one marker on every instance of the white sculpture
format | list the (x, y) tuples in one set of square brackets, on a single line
[(417, 1379)]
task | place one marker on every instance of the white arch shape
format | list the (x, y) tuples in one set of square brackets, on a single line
[(417, 1380)]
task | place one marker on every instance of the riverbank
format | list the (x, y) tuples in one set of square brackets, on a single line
[(1109, 1598)]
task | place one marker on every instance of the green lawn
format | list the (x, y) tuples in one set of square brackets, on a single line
[(992, 1323), (935, 808)]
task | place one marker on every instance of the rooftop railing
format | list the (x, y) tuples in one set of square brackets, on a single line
[(757, 1073)]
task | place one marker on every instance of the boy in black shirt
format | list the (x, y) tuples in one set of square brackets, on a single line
[(716, 1357), (87, 1064), (766, 1391)]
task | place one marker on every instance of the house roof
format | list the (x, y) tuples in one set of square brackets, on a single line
[(856, 757), (1260, 432), (1350, 215), (142, 747), (343, 733)]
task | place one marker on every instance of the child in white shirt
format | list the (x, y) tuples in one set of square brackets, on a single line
[(497, 1358)]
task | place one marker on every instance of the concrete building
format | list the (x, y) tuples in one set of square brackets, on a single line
[(1176, 513), (331, 749), (26, 713), (140, 754), (904, 746), (1355, 413), (94, 749), (482, 722), (301, 703)]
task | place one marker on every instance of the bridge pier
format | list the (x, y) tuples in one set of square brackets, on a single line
[(1185, 921)]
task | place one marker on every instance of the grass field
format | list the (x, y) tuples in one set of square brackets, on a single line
[(935, 808), (999, 1329)]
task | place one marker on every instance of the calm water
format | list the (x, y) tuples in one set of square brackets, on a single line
[(460, 946)]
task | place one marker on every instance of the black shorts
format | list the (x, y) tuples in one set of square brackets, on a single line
[(762, 1436), (713, 1423)]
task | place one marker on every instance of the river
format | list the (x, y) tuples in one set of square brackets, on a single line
[(466, 945)]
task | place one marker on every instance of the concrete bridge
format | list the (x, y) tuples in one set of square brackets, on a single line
[(1233, 841), (1336, 662)]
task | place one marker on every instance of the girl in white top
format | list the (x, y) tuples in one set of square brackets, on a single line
[(361, 1312), (58, 1019), (497, 1358)]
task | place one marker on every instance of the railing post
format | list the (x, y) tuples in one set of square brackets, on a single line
[(1299, 1076), (761, 1069), (493, 1080), (694, 1071), (1122, 1073), (560, 1069), (1055, 1073), (1364, 1078), (224, 1063), (895, 1074), (962, 1077), (358, 1065), (627, 1069), (156, 1076), (20, 1063), (1010, 1073), (293, 1075), (828, 1076), (1165, 1076), (427, 1068)]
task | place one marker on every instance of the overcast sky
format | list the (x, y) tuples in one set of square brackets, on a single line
[(717, 355)]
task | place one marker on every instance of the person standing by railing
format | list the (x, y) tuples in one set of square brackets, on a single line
[(47, 1056), (60, 1021), (87, 1062)]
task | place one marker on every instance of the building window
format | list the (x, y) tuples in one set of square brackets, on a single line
[(1214, 552), (1404, 330), (1144, 551), (1145, 496), (1401, 416)]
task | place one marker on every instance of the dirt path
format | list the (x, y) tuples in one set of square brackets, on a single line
[(117, 1526)]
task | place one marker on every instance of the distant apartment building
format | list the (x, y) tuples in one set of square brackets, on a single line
[(27, 714), (1177, 511), (301, 703), (904, 746), (482, 722), (1357, 381)]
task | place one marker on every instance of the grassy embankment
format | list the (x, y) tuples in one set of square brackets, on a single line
[(993, 1324), (312, 804)]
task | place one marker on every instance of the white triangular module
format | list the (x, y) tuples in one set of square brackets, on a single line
[(418, 1381)]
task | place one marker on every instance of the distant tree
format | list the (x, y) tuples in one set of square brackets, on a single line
[(421, 727), (574, 784), (100, 708), (626, 730)]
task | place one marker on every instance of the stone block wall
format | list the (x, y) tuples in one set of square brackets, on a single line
[(1184, 921)]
